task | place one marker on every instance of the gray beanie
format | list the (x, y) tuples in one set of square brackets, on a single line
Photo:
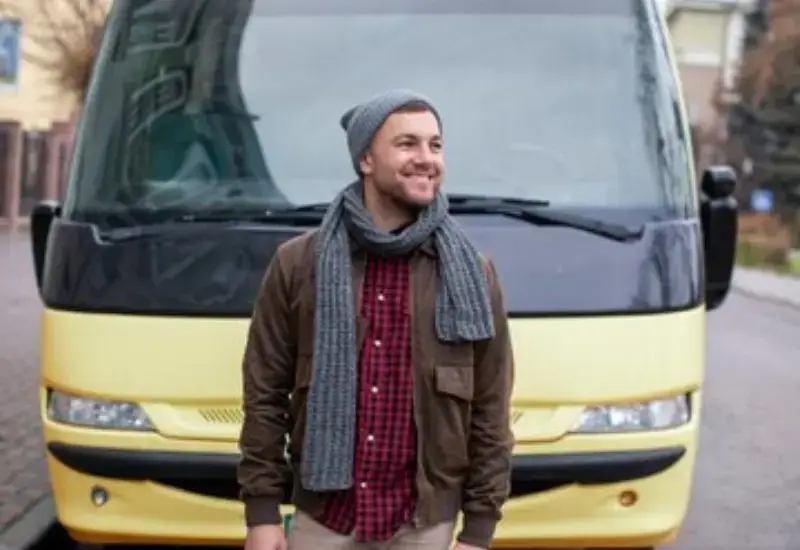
[(364, 120)]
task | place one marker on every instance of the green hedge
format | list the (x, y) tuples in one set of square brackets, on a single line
[(752, 255)]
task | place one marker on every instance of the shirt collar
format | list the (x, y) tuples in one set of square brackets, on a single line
[(428, 247)]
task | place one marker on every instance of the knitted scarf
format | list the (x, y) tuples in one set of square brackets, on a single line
[(463, 313)]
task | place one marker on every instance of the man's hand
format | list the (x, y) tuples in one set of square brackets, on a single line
[(265, 537), (462, 546)]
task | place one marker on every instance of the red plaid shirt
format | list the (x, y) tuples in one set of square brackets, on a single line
[(383, 495)]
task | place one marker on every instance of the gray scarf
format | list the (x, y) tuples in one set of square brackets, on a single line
[(463, 313)]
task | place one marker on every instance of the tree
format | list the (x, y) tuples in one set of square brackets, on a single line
[(764, 121), (62, 37)]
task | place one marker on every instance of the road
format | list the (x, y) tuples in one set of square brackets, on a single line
[(747, 488), (747, 483)]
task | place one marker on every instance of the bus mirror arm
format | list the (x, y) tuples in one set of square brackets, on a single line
[(41, 220), (719, 220)]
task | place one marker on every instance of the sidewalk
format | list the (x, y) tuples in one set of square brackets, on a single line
[(767, 286), (24, 479)]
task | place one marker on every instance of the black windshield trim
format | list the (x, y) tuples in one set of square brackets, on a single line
[(215, 269)]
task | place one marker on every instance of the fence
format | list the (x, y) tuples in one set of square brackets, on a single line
[(33, 167)]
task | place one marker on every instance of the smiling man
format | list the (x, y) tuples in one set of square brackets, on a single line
[(388, 330)]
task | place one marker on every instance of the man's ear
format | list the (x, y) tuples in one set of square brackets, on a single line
[(366, 164)]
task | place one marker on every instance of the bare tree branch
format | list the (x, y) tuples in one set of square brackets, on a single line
[(777, 49), (62, 38)]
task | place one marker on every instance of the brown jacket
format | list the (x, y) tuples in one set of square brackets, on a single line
[(461, 398)]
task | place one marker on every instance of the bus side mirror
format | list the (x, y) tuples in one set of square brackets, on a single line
[(719, 219), (42, 218)]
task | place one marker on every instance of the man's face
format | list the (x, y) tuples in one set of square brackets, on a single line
[(405, 162)]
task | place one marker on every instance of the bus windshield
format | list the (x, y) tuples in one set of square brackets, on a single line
[(208, 104)]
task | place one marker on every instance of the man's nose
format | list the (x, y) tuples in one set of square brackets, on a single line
[(425, 155)]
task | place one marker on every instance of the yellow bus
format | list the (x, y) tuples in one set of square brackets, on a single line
[(210, 135)]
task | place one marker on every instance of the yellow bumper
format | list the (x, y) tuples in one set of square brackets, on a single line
[(636, 512)]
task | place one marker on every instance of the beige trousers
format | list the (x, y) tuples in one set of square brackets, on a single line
[(308, 534)]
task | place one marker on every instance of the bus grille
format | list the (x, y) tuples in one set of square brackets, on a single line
[(227, 415)]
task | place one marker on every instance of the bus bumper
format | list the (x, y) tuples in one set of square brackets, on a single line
[(629, 498)]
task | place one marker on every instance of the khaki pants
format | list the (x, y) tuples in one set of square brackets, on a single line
[(307, 534)]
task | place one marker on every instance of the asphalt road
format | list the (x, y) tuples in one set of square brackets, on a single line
[(747, 488), (747, 484)]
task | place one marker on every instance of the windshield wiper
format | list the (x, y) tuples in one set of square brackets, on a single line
[(453, 198), (464, 198), (320, 207), (141, 224), (538, 212), (281, 215)]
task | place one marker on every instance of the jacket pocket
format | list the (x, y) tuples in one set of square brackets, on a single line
[(455, 386), (455, 381)]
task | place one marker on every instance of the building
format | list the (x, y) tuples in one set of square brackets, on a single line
[(707, 39), (27, 94), (36, 114)]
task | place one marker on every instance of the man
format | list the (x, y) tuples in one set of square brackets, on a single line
[(389, 332)]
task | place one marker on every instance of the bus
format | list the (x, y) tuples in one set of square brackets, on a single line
[(208, 130)]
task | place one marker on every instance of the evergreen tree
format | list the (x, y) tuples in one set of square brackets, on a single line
[(764, 122)]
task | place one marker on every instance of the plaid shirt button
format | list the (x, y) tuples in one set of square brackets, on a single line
[(385, 460)]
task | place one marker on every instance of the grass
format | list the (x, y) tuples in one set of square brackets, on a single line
[(794, 265), (759, 257)]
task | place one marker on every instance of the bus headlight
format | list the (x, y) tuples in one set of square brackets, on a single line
[(97, 413), (635, 417)]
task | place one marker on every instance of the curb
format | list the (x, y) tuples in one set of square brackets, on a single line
[(30, 527), (764, 297)]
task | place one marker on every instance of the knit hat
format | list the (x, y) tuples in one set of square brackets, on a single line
[(363, 121)]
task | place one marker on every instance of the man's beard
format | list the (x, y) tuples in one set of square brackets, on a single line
[(412, 208)]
